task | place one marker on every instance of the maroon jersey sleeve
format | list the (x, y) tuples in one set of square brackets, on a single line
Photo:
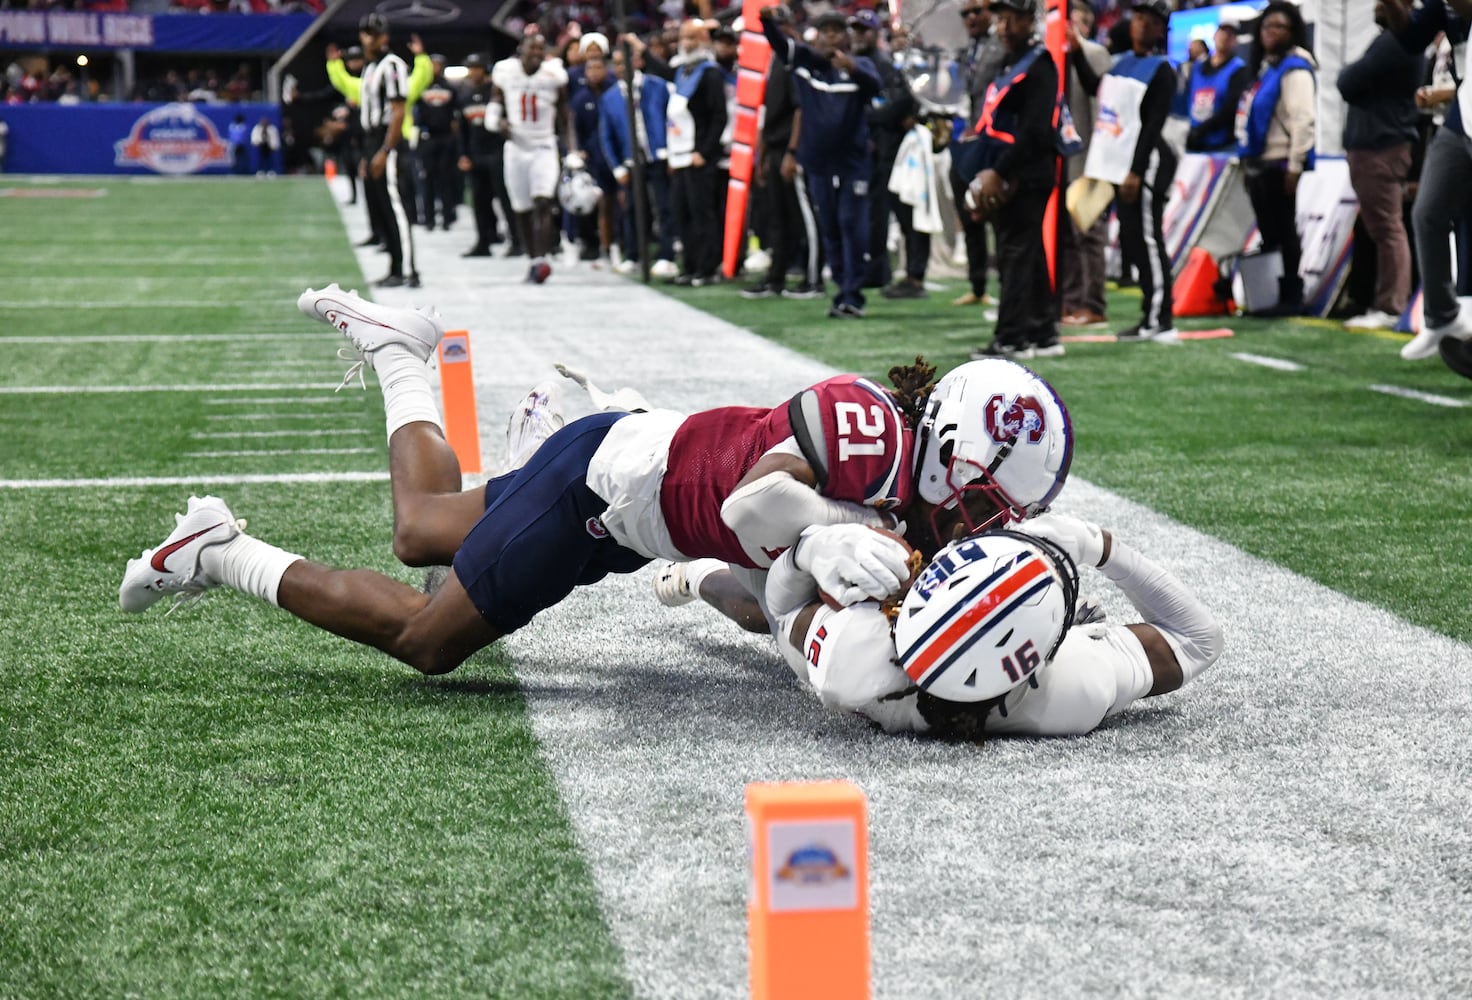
[(857, 441)]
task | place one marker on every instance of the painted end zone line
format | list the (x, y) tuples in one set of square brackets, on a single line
[(1267, 362), (222, 480), (1424, 397), (54, 390)]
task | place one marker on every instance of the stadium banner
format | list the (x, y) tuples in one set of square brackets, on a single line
[(87, 31), (170, 139)]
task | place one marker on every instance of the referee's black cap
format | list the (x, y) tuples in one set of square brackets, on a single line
[(353, 52), (373, 24)]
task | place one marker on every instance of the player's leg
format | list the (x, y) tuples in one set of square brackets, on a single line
[(208, 548), (431, 513)]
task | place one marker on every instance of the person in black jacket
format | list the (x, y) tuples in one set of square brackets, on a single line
[(1019, 171), (1379, 127), (888, 114), (982, 57)]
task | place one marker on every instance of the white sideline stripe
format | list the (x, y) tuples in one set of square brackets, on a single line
[(153, 338), (220, 480), (279, 451), (264, 302), (1278, 364), (265, 416), (202, 435), (1416, 394), (58, 390), (274, 400)]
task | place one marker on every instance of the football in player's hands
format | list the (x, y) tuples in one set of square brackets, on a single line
[(842, 593)]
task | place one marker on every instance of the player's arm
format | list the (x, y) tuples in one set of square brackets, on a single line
[(1180, 636), (778, 497), (497, 119), (564, 121), (349, 86), (846, 657)]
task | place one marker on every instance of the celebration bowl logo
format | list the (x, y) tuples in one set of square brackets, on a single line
[(173, 139), (813, 864)]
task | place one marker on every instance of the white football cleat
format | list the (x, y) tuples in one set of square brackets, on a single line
[(173, 567), (671, 585), (1427, 343), (536, 418), (370, 325)]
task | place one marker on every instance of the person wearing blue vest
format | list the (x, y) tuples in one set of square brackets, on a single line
[(1444, 196), (617, 143), (1216, 89), (1275, 139), (1019, 169), (1128, 149), (834, 90)]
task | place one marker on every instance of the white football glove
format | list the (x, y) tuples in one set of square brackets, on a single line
[(574, 161), (1082, 540), (852, 562)]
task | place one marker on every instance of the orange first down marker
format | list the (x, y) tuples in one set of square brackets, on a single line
[(457, 393), (808, 914)]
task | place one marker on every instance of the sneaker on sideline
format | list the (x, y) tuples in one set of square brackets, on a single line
[(1372, 320), (1427, 343), (664, 268)]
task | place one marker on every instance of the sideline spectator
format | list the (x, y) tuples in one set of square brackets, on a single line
[(888, 115), (595, 231), (1081, 254), (238, 136), (982, 58), (695, 121), (1275, 139), (1379, 127), (786, 202), (265, 139), (483, 146), (834, 89), (437, 117), (651, 129), (915, 198), (1128, 149), (1217, 85), (1020, 168), (1444, 195)]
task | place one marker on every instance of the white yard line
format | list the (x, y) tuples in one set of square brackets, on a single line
[(206, 435), (1278, 364), (334, 400), (53, 390), (130, 482), (65, 340), (267, 416), (1416, 394), (279, 451)]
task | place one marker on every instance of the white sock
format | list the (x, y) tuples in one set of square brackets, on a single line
[(248, 565), (698, 569), (407, 395)]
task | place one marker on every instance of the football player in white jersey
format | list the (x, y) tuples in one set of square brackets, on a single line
[(530, 105), (985, 642)]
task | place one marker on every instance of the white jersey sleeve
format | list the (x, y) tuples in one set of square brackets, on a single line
[(847, 658), (1099, 671)]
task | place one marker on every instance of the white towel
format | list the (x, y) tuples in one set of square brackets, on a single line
[(913, 179)]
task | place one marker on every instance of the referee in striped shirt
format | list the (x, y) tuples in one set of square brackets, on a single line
[(384, 100)]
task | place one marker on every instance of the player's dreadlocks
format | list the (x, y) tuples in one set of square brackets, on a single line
[(912, 387)]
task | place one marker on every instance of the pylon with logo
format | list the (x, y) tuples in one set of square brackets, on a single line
[(1195, 291), (457, 394), (808, 913)]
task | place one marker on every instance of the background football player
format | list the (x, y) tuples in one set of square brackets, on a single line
[(529, 103)]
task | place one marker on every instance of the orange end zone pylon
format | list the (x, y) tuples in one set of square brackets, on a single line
[(752, 57), (457, 398), (808, 913)]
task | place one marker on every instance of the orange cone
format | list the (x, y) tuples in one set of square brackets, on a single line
[(329, 169), (1194, 293)]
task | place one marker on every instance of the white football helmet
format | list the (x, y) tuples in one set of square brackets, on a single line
[(986, 613), (578, 191), (996, 428)]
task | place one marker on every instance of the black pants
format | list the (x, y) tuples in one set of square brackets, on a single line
[(437, 156), (975, 233), (791, 228), (1026, 309), (386, 203), (1277, 214), (917, 244), (1142, 239), (659, 222), (879, 209), (693, 198), (488, 186), (407, 181)]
